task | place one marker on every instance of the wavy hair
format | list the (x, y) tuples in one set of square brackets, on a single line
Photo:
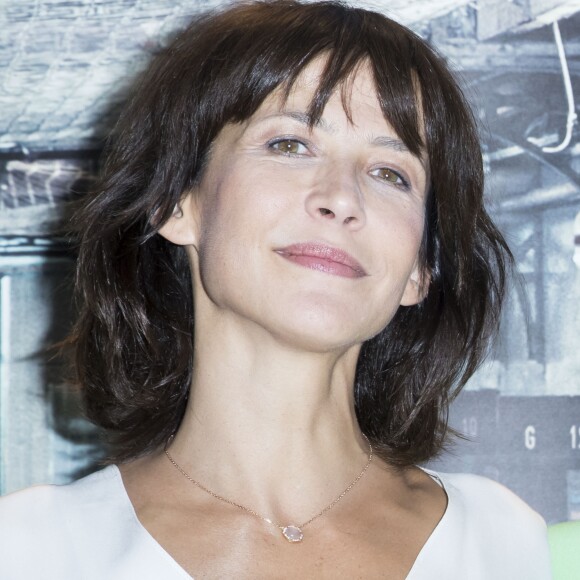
[(133, 339)]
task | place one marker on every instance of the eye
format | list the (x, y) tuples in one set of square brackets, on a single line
[(289, 146), (390, 176)]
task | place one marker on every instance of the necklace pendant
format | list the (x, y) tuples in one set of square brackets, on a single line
[(293, 534)]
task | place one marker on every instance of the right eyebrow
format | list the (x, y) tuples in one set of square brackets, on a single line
[(305, 119)]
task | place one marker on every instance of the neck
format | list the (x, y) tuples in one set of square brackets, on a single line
[(260, 411)]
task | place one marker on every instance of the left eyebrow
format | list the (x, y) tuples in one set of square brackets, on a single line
[(396, 145), (390, 143)]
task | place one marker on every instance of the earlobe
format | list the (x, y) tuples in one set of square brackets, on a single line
[(417, 288), (181, 228)]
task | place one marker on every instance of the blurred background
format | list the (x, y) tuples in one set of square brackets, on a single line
[(64, 71)]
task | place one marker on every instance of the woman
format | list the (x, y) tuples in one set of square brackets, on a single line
[(286, 275)]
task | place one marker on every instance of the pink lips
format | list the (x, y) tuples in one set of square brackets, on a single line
[(323, 258)]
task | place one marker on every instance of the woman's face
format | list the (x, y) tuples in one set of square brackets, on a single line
[(312, 235)]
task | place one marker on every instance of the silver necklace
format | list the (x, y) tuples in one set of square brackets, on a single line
[(293, 533)]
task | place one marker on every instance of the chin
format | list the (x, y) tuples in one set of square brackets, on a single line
[(323, 329)]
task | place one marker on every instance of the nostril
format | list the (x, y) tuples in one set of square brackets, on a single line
[(325, 211)]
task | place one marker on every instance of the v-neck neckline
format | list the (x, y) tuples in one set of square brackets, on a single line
[(418, 563)]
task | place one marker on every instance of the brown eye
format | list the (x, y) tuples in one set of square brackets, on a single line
[(390, 176), (289, 147)]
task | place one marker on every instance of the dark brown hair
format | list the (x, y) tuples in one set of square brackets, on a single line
[(133, 339)]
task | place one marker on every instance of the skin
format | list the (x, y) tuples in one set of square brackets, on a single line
[(270, 421)]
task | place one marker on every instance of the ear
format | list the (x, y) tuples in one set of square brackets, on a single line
[(182, 228), (417, 287)]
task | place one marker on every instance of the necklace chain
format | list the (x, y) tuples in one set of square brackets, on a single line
[(291, 532)]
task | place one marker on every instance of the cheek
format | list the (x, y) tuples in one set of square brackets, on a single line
[(413, 234), (245, 197), (222, 210), (232, 228), (399, 235), (396, 243)]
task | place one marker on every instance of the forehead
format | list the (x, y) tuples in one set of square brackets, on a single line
[(359, 85), (307, 88)]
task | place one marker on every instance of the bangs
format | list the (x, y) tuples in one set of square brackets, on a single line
[(347, 38)]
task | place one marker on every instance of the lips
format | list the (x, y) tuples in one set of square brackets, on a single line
[(324, 259)]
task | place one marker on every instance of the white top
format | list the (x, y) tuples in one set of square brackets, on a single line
[(88, 530)]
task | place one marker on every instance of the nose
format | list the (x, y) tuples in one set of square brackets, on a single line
[(337, 197)]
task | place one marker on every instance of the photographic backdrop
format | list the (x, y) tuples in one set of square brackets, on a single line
[(64, 71)]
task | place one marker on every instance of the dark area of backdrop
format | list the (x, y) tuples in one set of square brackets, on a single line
[(64, 70)]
